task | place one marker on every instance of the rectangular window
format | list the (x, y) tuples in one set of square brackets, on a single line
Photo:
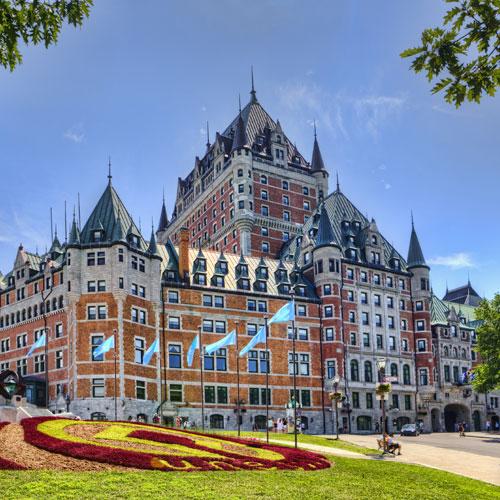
[(404, 345), (369, 400), (140, 389), (421, 345), (101, 286), (59, 359), (395, 401), (329, 334), (392, 343), (91, 286), (175, 393), (327, 289), (101, 258), (328, 311), (366, 340), (174, 356), (173, 297), (208, 325), (59, 330), (139, 350), (355, 399), (96, 341), (91, 312), (101, 312), (380, 342), (22, 367), (174, 323), (220, 327), (91, 259), (330, 368), (98, 389), (363, 297), (301, 310), (40, 363), (407, 401), (365, 318)]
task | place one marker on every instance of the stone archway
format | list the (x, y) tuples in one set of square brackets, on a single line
[(454, 414), (435, 420)]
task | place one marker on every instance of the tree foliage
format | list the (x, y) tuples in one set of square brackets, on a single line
[(487, 374), (35, 21), (464, 54)]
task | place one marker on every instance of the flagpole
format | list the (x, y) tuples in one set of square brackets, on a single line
[(201, 381), (238, 408), (267, 383), (295, 367), (114, 356)]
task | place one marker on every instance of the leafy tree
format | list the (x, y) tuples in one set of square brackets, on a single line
[(34, 22), (464, 53), (488, 345)]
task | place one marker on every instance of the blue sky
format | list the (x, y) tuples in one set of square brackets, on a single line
[(140, 79)]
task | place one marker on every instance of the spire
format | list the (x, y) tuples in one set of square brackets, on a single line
[(253, 94), (109, 170), (163, 223), (325, 235), (152, 249), (338, 184), (317, 160), (415, 255), (74, 234), (240, 136), (208, 136)]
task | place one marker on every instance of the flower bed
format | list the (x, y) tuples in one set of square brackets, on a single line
[(151, 447), (8, 464)]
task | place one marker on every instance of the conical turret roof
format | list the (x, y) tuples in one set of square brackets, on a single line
[(415, 254)]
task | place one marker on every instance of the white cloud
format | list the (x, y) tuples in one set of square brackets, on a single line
[(455, 261), (75, 133), (373, 111)]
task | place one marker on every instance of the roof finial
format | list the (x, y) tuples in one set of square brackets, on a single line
[(208, 136), (239, 103), (109, 170), (412, 223), (446, 287), (314, 124), (252, 92), (468, 278), (338, 185)]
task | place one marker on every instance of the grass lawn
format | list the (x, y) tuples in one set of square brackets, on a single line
[(349, 478), (309, 439)]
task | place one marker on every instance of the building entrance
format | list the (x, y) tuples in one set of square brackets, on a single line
[(455, 414)]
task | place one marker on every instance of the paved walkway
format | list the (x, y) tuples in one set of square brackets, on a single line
[(326, 450), (466, 463)]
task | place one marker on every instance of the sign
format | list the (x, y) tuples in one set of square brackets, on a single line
[(390, 379)]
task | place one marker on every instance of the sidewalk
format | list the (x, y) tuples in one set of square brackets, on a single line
[(325, 450), (473, 465)]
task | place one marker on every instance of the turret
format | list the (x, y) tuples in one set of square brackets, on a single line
[(318, 170), (418, 267)]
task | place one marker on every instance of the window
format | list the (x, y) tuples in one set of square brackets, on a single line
[(301, 310), (329, 334), (142, 265), (173, 297), (392, 343), (40, 363), (98, 389), (174, 356), (265, 246), (220, 327), (363, 297), (330, 368), (355, 399), (352, 338), (354, 371), (305, 191), (350, 295), (216, 361), (402, 284), (380, 341), (59, 330), (365, 318), (96, 341), (376, 300), (91, 312), (286, 200), (263, 179), (419, 305), (175, 393), (329, 311), (101, 258), (395, 401), (378, 320), (101, 312), (140, 389), (407, 401), (91, 286), (404, 324), (286, 215), (264, 231), (215, 394), (352, 317), (350, 273), (376, 279), (421, 345), (306, 205), (301, 364), (174, 322), (369, 400), (366, 340), (447, 377), (91, 259), (139, 350), (120, 255), (59, 359), (327, 289), (423, 376), (208, 325), (364, 276), (284, 185), (257, 362), (368, 372), (22, 366), (257, 396), (101, 286)]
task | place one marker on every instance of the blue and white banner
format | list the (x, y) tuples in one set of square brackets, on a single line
[(229, 339), (285, 314), (192, 348), (107, 345), (259, 338), (153, 348), (39, 343)]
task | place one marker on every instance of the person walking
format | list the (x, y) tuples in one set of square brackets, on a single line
[(488, 426), (461, 429)]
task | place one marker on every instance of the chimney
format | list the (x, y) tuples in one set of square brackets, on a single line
[(184, 254)]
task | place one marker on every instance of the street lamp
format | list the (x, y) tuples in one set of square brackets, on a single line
[(381, 392), (336, 397)]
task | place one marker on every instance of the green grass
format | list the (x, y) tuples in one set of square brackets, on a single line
[(348, 478), (308, 439)]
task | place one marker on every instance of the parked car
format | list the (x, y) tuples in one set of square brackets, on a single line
[(410, 430)]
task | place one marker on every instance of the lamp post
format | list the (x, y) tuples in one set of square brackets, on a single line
[(381, 362), (336, 396), (45, 294), (68, 401)]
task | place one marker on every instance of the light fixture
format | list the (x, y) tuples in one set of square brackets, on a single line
[(381, 362)]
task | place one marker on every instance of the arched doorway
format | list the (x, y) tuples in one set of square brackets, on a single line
[(495, 423), (216, 421), (476, 420), (453, 415), (435, 420), (260, 422)]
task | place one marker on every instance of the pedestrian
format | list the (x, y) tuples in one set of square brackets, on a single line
[(461, 429), (488, 426)]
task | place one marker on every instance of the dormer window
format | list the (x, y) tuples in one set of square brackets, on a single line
[(218, 281), (307, 257), (300, 291), (278, 139), (374, 240), (97, 235), (357, 225), (261, 286), (244, 284), (261, 273), (397, 264), (263, 179)]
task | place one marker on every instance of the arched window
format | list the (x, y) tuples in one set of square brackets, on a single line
[(374, 240), (406, 375), (29, 312), (61, 302), (394, 370), (54, 304), (216, 422), (368, 372), (455, 352), (364, 423), (464, 353), (354, 370), (446, 350)]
